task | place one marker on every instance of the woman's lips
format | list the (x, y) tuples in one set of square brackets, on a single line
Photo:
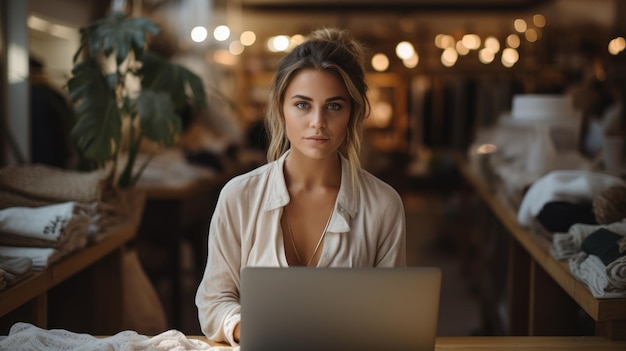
[(317, 139)]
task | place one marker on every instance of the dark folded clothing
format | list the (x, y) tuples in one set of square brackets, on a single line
[(604, 244), (559, 216)]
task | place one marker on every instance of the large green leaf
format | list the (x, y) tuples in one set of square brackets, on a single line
[(98, 128), (183, 86), (158, 120), (117, 33)]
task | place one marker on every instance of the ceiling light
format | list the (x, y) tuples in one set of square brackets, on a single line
[(449, 57), (492, 44), (412, 61), (236, 48), (520, 25), (513, 41), (539, 20), (404, 50), (471, 41), (221, 33), (199, 34), (486, 56), (247, 38), (380, 62)]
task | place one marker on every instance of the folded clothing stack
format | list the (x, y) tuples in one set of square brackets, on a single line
[(563, 186), (596, 256), (41, 185), (602, 264), (43, 234), (48, 212), (559, 216), (14, 269)]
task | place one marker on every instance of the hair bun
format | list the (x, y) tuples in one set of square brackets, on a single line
[(340, 37)]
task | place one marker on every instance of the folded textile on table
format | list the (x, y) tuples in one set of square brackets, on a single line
[(603, 281), (63, 226), (14, 199), (41, 185), (53, 184), (15, 268), (41, 257), (605, 244), (559, 216), (610, 205), (563, 185), (565, 245), (25, 336), (616, 273)]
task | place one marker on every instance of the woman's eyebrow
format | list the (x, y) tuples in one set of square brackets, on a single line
[(298, 96), (334, 98)]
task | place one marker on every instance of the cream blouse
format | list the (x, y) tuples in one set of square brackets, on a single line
[(366, 230)]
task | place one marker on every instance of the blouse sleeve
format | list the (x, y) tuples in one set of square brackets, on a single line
[(392, 246), (217, 297)]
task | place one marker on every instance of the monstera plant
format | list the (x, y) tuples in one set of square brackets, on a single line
[(116, 81)]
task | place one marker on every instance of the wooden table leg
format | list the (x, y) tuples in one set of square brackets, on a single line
[(552, 310), (518, 289), (108, 293)]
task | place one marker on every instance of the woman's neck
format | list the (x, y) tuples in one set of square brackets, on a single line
[(304, 173)]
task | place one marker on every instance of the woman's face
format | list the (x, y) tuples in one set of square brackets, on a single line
[(317, 111)]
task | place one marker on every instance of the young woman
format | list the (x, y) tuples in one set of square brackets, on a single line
[(311, 204)]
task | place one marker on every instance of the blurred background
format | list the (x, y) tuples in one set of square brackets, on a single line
[(438, 70)]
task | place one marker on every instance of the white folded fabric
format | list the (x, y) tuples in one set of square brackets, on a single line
[(45, 222), (616, 273), (602, 282), (43, 226), (63, 226), (40, 256), (565, 245), (563, 185), (25, 336)]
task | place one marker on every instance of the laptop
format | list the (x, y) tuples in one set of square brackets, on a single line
[(306, 308)]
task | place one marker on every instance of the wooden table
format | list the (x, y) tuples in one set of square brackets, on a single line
[(539, 286), (94, 274), (512, 343)]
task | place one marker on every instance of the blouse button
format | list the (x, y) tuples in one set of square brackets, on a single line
[(341, 209)]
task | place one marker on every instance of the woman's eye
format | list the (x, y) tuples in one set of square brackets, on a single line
[(302, 105), (334, 107)]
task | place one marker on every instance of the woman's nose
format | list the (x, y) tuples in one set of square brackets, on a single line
[(318, 119)]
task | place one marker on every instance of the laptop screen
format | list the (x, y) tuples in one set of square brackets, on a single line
[(302, 308)]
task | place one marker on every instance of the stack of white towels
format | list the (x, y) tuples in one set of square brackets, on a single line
[(596, 253), (47, 213), (43, 234)]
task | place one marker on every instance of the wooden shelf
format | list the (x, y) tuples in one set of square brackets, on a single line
[(610, 314), (33, 290)]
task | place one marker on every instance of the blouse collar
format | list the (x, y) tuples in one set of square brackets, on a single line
[(347, 201)]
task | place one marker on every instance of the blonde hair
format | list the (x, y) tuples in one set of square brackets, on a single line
[(329, 50)]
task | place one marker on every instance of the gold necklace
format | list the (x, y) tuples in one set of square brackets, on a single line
[(319, 242)]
